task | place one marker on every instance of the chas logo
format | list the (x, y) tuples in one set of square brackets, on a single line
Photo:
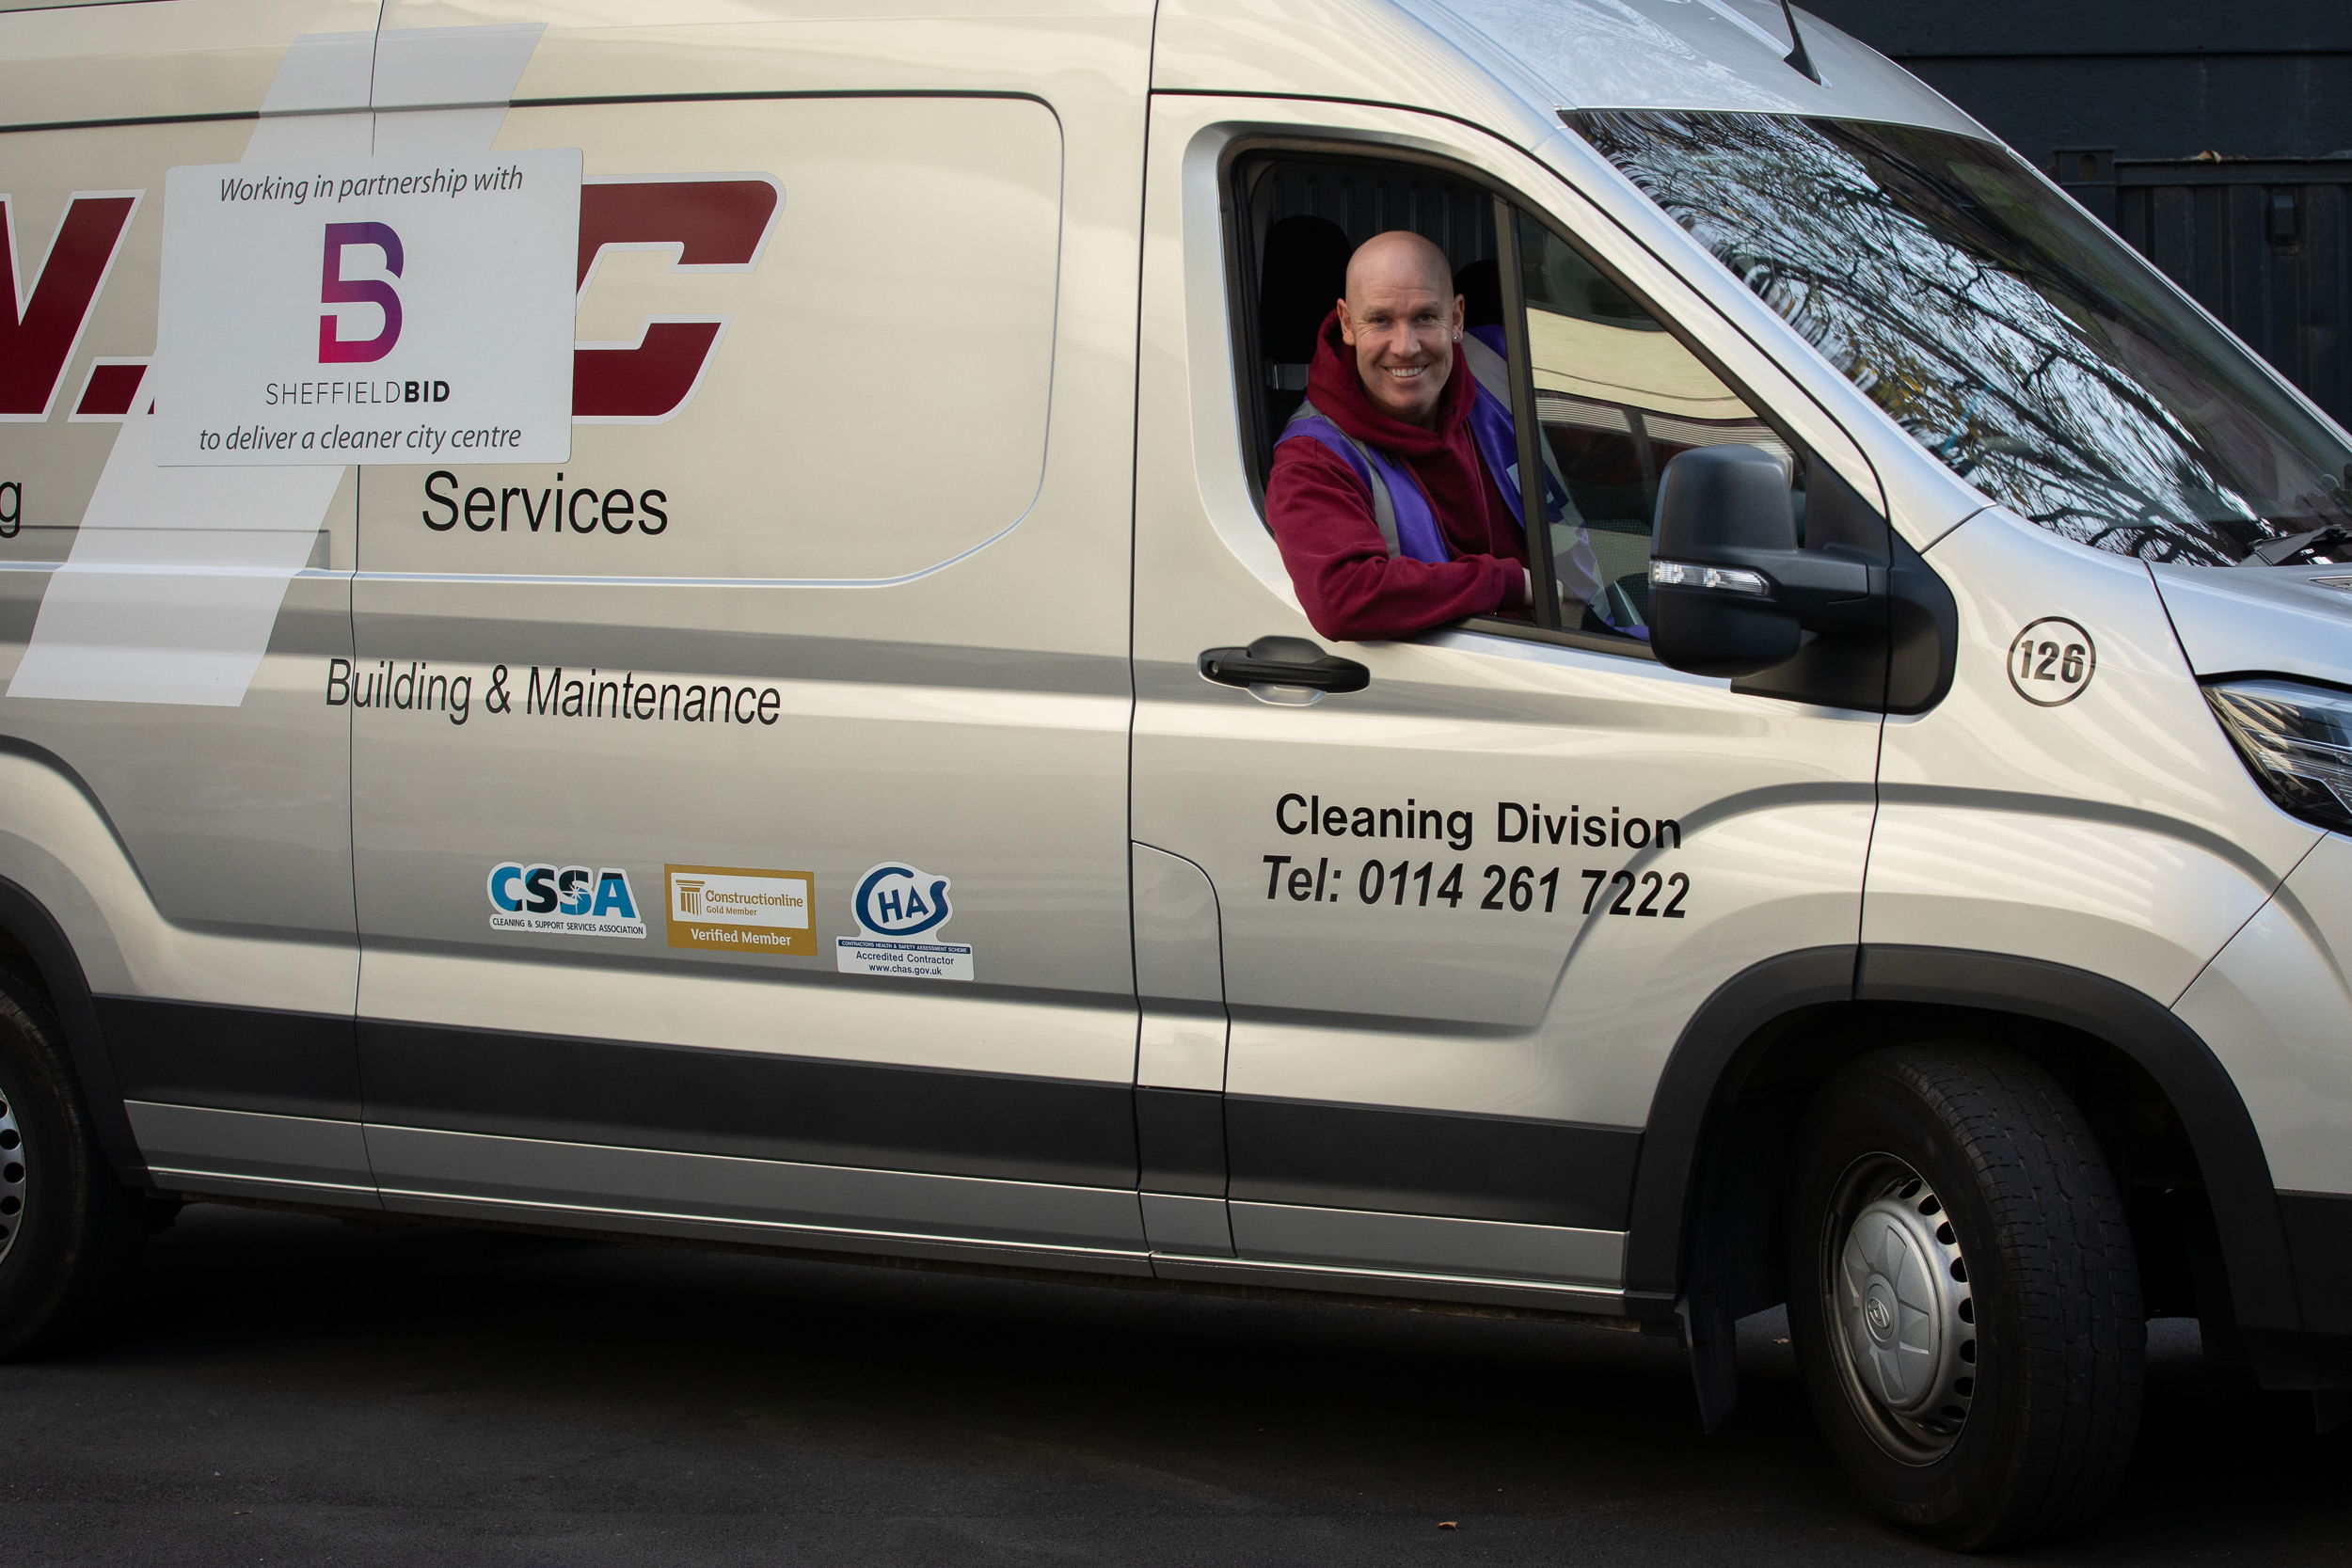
[(895, 900), (569, 900)]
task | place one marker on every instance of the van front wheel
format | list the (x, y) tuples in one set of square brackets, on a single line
[(70, 1233), (1964, 1296)]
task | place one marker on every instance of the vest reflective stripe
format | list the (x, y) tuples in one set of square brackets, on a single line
[(1400, 508)]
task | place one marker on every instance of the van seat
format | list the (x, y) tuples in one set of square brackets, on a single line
[(1304, 270)]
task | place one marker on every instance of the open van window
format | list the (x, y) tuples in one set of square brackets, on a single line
[(2012, 335), (1617, 398), (1616, 395), (1306, 214)]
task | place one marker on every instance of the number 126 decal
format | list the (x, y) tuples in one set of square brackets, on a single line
[(2051, 662)]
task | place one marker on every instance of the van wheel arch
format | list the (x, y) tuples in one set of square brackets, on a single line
[(1702, 1225), (33, 945)]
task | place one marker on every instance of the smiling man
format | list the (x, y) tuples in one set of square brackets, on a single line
[(1383, 495)]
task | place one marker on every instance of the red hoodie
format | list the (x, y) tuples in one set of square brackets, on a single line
[(1322, 516)]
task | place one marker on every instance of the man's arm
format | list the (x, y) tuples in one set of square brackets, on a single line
[(1348, 584)]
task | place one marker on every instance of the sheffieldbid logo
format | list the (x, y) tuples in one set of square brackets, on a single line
[(335, 288)]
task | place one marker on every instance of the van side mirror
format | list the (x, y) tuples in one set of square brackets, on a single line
[(1731, 594)]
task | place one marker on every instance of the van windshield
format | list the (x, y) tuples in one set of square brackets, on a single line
[(2015, 338)]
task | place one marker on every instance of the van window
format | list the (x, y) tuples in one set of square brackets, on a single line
[(1617, 397), (1616, 394), (2014, 337), (1307, 216)]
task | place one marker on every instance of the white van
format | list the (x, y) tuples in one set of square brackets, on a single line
[(657, 618)]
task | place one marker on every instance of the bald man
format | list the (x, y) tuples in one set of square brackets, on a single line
[(1392, 495)]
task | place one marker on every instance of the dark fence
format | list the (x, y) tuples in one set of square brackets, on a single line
[(2264, 245)]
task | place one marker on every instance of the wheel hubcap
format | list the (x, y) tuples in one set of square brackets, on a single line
[(12, 1173), (1903, 1318)]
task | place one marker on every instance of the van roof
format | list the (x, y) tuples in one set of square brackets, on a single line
[(1554, 55), (1484, 57)]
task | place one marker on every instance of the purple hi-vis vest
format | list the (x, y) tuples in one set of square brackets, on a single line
[(1401, 508)]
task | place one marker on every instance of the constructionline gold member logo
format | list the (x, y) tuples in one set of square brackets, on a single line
[(733, 908)]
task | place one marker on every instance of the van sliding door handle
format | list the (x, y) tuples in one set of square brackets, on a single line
[(1284, 661)]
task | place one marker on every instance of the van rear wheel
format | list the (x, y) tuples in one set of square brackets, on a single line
[(1964, 1296), (68, 1231)]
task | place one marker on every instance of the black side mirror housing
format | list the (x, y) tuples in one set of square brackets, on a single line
[(1731, 594)]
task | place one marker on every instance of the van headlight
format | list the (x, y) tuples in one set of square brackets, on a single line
[(2297, 741)]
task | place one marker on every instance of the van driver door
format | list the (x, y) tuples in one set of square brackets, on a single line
[(1464, 912)]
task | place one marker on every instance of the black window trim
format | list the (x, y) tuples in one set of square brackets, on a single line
[(1233, 161)]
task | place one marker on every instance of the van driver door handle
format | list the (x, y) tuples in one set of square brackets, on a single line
[(1291, 661)]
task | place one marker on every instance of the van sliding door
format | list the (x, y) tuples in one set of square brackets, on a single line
[(741, 812)]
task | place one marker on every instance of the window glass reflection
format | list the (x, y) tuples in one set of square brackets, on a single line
[(2013, 336), (1618, 397)]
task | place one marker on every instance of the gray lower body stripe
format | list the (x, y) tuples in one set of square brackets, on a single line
[(399, 1196)]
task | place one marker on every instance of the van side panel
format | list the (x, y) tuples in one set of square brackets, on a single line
[(832, 582), (165, 60), (2272, 1006), (178, 801), (2114, 831), (150, 612), (857, 519)]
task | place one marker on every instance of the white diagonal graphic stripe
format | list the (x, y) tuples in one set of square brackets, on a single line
[(176, 574)]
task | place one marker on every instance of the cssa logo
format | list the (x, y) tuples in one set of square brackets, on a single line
[(896, 901), (569, 900)]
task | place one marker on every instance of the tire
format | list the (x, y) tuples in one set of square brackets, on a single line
[(1964, 1296), (71, 1231)]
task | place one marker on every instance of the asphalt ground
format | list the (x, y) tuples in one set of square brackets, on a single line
[(298, 1391)]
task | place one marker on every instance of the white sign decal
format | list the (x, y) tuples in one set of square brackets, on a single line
[(413, 309), (895, 905)]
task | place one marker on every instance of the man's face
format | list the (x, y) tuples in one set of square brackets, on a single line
[(1402, 325)]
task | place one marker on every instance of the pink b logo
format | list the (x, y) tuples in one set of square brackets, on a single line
[(334, 289)]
